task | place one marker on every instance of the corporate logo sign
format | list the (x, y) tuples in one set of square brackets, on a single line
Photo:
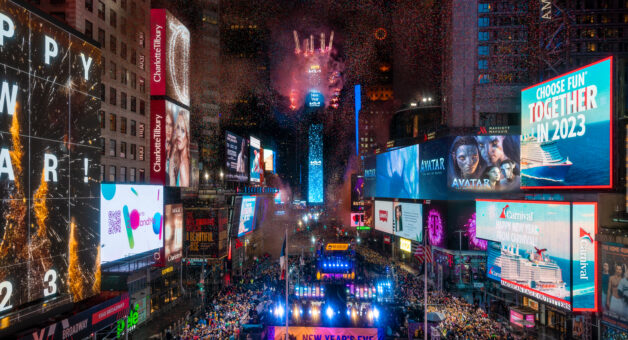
[(131, 220), (170, 160), (383, 216), (584, 253), (566, 130)]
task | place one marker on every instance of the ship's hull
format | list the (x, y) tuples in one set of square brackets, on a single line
[(556, 172)]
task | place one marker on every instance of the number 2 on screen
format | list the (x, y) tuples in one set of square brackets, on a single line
[(7, 288)]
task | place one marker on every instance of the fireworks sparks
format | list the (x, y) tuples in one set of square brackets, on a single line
[(75, 279)]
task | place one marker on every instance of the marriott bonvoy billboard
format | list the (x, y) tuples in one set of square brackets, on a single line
[(536, 258)]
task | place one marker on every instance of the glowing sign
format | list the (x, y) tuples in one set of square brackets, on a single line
[(314, 99), (337, 246), (315, 165), (405, 245)]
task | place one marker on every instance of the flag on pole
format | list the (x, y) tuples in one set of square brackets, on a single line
[(282, 260), (423, 253)]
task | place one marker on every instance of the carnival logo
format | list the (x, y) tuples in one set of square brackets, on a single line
[(521, 216), (503, 215), (585, 242), (585, 236), (383, 215)]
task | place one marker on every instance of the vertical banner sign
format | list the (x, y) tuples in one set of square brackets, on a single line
[(566, 130), (255, 153), (315, 165), (584, 249), (158, 52), (157, 151)]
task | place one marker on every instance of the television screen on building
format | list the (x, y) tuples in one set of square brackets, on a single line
[(384, 216), (398, 173), (408, 221), (236, 158), (256, 160), (246, 221)]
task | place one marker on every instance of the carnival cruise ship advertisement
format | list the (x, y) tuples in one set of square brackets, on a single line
[(584, 254), (566, 131), (534, 253)]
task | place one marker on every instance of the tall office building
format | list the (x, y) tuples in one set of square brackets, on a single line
[(121, 28)]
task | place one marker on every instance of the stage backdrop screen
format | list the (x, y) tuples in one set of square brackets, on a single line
[(584, 246), (236, 157), (49, 164), (398, 173), (384, 216), (483, 163), (131, 220), (535, 259), (256, 160), (566, 130), (408, 221), (247, 215), (614, 259)]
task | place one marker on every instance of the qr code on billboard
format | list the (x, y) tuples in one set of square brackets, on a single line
[(114, 222)]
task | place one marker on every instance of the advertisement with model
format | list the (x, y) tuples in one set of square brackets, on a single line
[(172, 251), (236, 158), (170, 144), (534, 258), (566, 130), (131, 220), (256, 169), (614, 288)]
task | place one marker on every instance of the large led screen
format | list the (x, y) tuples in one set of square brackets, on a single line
[(170, 144), (566, 130), (256, 160), (384, 216), (170, 57), (269, 160), (49, 164), (370, 170), (535, 259), (357, 193), (398, 173), (432, 169), (131, 220), (315, 165), (584, 247), (202, 227), (614, 259), (237, 158), (247, 215), (172, 250), (408, 221), (484, 163)]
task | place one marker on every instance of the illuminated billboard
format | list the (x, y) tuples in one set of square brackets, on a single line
[(294, 332), (584, 247), (370, 171), (566, 130), (315, 165), (202, 228), (256, 160), (131, 220), (398, 173), (269, 160), (432, 169), (314, 99), (237, 158), (408, 221), (383, 216), (170, 57), (357, 219), (357, 193), (49, 164), (614, 259), (534, 257), (405, 245), (247, 215), (170, 159), (484, 163), (172, 251)]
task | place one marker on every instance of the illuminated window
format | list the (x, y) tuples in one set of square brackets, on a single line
[(141, 131), (591, 47), (122, 124), (483, 22), (112, 173), (483, 50), (112, 122), (483, 36), (483, 8), (101, 119), (482, 64), (142, 85), (140, 153), (483, 78)]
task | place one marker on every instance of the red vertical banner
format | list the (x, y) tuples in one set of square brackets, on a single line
[(157, 52), (157, 136)]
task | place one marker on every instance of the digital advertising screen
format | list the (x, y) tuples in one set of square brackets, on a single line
[(584, 229), (202, 226), (237, 158), (172, 250), (398, 173), (131, 220), (314, 99), (435, 219), (247, 215), (384, 216), (493, 252), (195, 169), (49, 164), (614, 258), (256, 160), (566, 130), (170, 144), (315, 165), (369, 213), (535, 259), (484, 163), (357, 219), (170, 57), (370, 171), (432, 169), (461, 216), (357, 193), (408, 221), (269, 160)]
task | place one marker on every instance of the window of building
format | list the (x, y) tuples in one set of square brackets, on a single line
[(133, 128), (123, 25), (483, 50), (89, 29), (483, 8), (113, 18), (133, 80), (133, 104), (112, 147), (123, 50), (101, 38), (483, 36), (123, 100), (103, 146), (101, 119), (89, 5), (102, 92), (133, 57), (591, 47), (142, 130), (102, 173), (483, 22), (141, 176), (483, 78), (124, 76), (122, 124), (133, 151), (142, 107), (112, 122), (113, 70), (112, 173), (132, 175), (142, 85), (122, 149), (482, 64), (113, 43), (101, 10), (113, 99), (123, 4)]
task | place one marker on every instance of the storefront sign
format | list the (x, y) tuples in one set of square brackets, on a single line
[(405, 245)]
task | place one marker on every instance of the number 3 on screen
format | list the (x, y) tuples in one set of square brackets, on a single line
[(51, 279)]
